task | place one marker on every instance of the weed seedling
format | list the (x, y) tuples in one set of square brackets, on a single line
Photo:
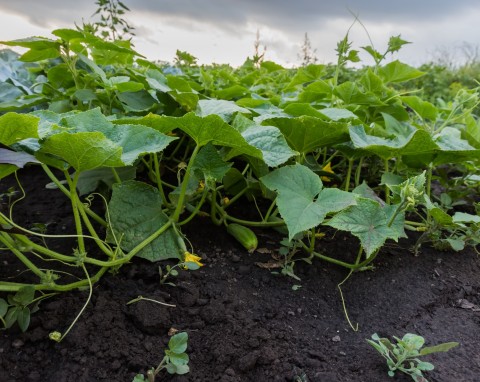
[(404, 355), (175, 360)]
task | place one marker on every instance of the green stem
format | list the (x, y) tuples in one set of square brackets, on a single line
[(339, 286), (249, 223), (414, 224), (397, 211), (21, 256), (62, 188), (116, 176), (214, 207), (177, 147), (358, 173), (312, 240), (270, 209), (72, 183), (94, 234), (196, 210), (236, 197), (344, 264), (349, 174), (158, 178), (387, 191), (183, 189)]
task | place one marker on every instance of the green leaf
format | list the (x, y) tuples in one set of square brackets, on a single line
[(88, 181), (268, 139), (305, 134), (411, 142), (351, 94), (368, 221), (138, 101), (3, 307), (212, 129), (7, 169), (68, 34), (425, 109), (337, 114), (39, 55), (413, 341), (134, 140), (18, 159), (303, 109), (395, 43), (453, 148), (180, 370), (9, 92), (297, 188), (23, 318), (177, 359), (178, 343), (397, 71), (210, 164), (84, 151), (11, 316), (462, 217), (136, 213), (456, 244), (425, 366), (224, 109), (139, 378), (16, 127), (25, 295), (438, 348), (182, 92)]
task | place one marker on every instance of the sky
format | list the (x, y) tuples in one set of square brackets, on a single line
[(223, 31)]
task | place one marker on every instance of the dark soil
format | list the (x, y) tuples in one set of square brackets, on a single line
[(244, 322)]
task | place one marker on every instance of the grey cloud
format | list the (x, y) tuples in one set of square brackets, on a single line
[(300, 14), (42, 12), (287, 15)]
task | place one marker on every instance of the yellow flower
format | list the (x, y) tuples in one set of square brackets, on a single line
[(327, 168), (191, 258)]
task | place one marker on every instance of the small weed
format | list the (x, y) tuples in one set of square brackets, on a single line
[(175, 360), (404, 355)]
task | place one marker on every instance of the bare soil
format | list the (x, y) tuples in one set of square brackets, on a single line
[(245, 323)]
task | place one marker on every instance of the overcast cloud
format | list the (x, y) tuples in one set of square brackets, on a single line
[(224, 30)]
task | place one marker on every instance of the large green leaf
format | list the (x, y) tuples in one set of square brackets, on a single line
[(222, 108), (301, 201), (424, 109), (211, 129), (16, 127), (135, 214), (84, 150), (305, 134), (182, 92), (19, 159), (397, 71), (368, 221), (40, 48), (134, 140), (209, 164), (414, 142), (268, 139), (350, 93), (452, 148)]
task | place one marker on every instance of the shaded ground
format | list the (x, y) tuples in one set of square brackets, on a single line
[(245, 323)]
